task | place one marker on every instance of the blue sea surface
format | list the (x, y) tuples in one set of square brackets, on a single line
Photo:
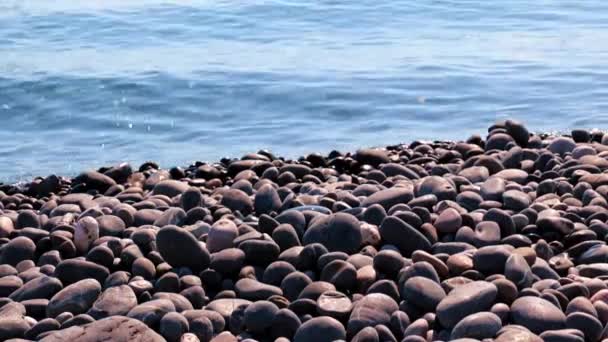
[(90, 83)]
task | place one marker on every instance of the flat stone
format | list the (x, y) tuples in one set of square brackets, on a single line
[(479, 326), (40, 287), (170, 188), (537, 314), (116, 328), (389, 197), (465, 300), (76, 298), (73, 270), (114, 301), (253, 290)]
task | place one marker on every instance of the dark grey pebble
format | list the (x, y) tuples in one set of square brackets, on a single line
[(320, 329), (260, 252), (76, 298), (180, 302), (334, 304), (171, 216), (449, 221), (561, 145), (518, 271), (389, 197), (44, 325), (114, 301), (368, 334), (228, 261), (478, 326), (293, 284), (560, 335), (151, 312), (284, 324), (111, 225), (202, 328), (237, 200), (172, 326), (266, 200), (396, 232), (465, 300), (285, 236), (337, 232), (373, 157), (259, 316), (423, 293), (9, 284), (341, 274), (537, 314), (373, 309), (191, 198), (40, 287), (180, 248), (591, 327), (438, 186), (73, 270), (18, 249), (491, 259), (117, 328), (253, 290), (486, 233)]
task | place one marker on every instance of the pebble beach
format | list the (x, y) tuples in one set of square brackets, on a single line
[(499, 236)]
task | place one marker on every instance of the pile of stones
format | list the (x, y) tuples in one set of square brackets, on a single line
[(500, 238)]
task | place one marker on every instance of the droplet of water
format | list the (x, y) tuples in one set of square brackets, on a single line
[(6, 106), (130, 125)]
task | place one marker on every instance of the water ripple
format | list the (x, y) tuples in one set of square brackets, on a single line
[(85, 84)]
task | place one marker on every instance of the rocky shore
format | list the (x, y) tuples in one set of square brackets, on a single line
[(498, 238)]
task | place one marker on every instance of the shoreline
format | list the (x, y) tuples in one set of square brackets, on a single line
[(431, 240), (25, 181)]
